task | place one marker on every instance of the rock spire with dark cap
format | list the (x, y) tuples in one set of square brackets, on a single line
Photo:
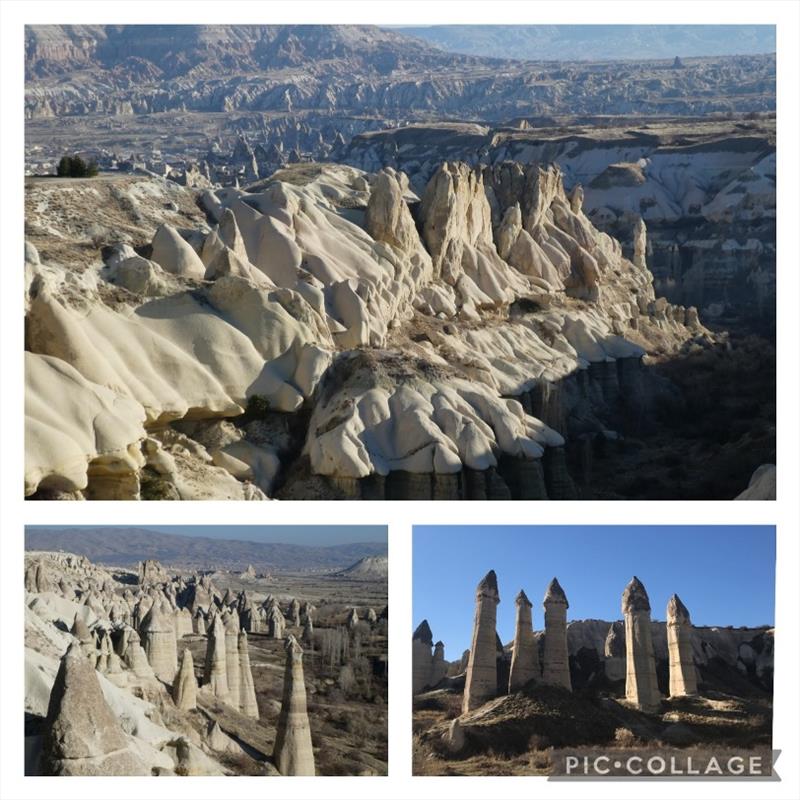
[(641, 687), (525, 659), (481, 681), (635, 598), (421, 657), (555, 669), (682, 671)]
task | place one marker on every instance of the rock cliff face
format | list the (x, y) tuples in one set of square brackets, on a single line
[(314, 339)]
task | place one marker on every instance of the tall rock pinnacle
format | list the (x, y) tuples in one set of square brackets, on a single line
[(158, 637), (641, 687), (293, 753), (232, 657), (481, 683), (215, 676), (421, 657), (184, 688), (525, 660), (555, 670), (682, 671), (247, 693)]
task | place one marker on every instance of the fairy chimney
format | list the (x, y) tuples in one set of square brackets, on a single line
[(682, 671), (247, 693), (158, 637), (555, 670), (215, 677), (641, 687), (481, 681), (184, 688), (293, 753), (232, 657), (614, 652), (439, 665), (525, 659), (421, 657)]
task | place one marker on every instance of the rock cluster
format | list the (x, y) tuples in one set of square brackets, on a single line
[(119, 683), (627, 650)]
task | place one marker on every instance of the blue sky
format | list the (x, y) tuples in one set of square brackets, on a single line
[(724, 574), (317, 535)]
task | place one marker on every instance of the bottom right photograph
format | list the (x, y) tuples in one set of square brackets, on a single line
[(593, 650)]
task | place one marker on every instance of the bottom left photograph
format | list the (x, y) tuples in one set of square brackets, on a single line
[(206, 650)]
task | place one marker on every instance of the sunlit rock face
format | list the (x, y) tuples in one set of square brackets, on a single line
[(313, 338)]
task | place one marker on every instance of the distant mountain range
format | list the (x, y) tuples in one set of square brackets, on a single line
[(125, 547), (157, 52), (597, 42)]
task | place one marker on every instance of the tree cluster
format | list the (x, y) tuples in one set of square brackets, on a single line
[(76, 167)]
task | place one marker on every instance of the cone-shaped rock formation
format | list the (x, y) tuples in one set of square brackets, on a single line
[(184, 688), (293, 754), (247, 693), (83, 735)]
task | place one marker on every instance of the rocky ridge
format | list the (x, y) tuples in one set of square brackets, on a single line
[(320, 283), (125, 70), (705, 188)]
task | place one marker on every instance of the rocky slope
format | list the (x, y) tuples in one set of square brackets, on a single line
[(368, 568), (706, 190), (316, 339)]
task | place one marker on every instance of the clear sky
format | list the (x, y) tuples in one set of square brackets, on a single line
[(725, 575), (317, 535)]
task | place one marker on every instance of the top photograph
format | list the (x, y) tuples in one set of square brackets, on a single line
[(454, 262)]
